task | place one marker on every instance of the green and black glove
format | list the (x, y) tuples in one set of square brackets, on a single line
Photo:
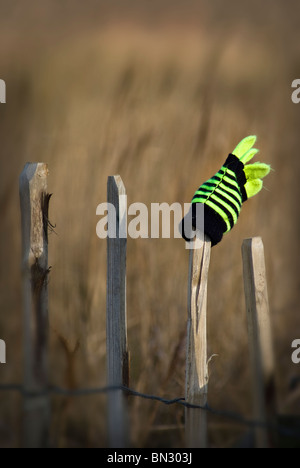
[(224, 194)]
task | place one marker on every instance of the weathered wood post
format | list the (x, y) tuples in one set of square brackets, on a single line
[(34, 202), (260, 336), (196, 361), (116, 319)]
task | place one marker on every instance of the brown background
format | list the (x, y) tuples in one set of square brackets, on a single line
[(158, 92)]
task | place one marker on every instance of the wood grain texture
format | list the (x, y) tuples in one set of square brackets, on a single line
[(34, 202), (260, 336), (196, 361), (116, 318)]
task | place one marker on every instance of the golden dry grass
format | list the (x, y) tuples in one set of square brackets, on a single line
[(161, 106)]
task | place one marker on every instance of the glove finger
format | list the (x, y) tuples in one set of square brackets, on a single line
[(257, 171), (252, 187), (249, 155), (244, 146)]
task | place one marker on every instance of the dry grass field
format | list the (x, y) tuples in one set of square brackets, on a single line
[(160, 93)]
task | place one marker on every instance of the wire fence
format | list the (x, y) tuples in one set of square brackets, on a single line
[(266, 422), (230, 415)]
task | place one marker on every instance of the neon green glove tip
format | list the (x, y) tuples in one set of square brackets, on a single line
[(244, 147), (252, 187), (253, 172), (257, 170)]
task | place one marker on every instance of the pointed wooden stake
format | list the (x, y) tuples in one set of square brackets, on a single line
[(196, 364), (34, 202), (260, 336), (116, 321)]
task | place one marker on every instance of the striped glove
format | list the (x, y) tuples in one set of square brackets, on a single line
[(224, 193)]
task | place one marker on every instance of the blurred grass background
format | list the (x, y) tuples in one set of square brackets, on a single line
[(158, 92)]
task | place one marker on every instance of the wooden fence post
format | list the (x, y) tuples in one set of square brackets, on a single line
[(260, 336), (34, 202), (196, 363), (116, 320)]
